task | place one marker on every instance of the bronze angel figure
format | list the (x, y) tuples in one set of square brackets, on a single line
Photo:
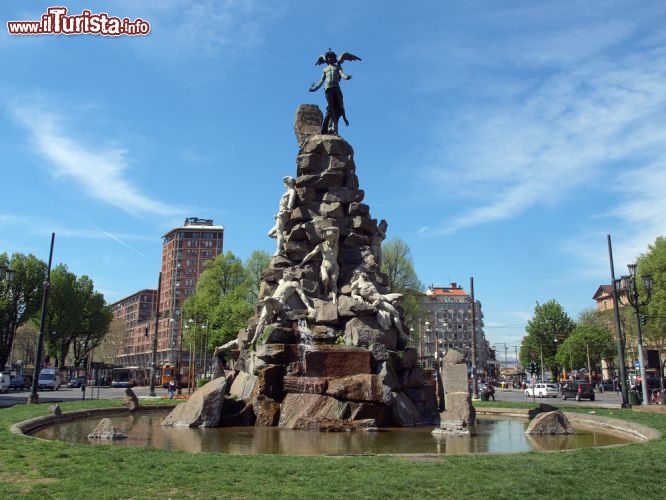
[(335, 107)]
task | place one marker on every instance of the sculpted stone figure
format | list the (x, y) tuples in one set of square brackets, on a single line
[(329, 269), (273, 305), (364, 290), (330, 78), (287, 202)]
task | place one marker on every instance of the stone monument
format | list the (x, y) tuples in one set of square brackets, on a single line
[(327, 348), (458, 411)]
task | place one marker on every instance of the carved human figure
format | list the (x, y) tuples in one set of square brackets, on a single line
[(287, 202), (273, 305), (329, 269), (331, 80), (364, 290), (377, 240)]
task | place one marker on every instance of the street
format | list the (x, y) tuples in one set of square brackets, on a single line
[(601, 400), (69, 394)]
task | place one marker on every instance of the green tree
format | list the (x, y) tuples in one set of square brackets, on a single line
[(20, 299), (586, 346), (398, 267), (77, 316), (549, 327), (220, 301), (653, 262), (254, 266)]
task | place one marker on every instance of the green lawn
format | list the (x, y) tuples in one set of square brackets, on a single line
[(33, 468)]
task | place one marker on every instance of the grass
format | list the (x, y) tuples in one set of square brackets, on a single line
[(33, 468)]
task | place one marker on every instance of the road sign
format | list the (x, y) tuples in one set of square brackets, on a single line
[(637, 365)]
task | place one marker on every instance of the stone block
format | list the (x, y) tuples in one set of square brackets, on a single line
[(269, 382), (364, 388), (305, 385), (550, 423), (267, 411), (458, 407), (363, 331), (242, 386), (203, 409), (337, 361), (304, 411), (455, 378)]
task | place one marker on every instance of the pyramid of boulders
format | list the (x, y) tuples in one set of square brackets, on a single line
[(325, 358)]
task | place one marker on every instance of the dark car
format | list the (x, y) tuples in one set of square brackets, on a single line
[(76, 382), (17, 383), (578, 390)]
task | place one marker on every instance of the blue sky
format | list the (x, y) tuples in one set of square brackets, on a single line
[(500, 139)]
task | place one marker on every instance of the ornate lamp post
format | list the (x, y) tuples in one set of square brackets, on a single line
[(628, 285), (6, 274)]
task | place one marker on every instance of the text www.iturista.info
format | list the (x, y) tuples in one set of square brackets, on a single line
[(57, 22)]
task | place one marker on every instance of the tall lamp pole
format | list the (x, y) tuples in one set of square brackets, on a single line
[(475, 392), (34, 396), (628, 284), (618, 331), (153, 368)]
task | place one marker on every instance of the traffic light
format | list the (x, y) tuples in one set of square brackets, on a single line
[(643, 319)]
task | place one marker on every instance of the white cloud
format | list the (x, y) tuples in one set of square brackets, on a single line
[(97, 170), (568, 130), (203, 28)]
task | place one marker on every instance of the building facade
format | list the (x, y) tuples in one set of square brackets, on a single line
[(185, 251), (452, 321), (135, 314)]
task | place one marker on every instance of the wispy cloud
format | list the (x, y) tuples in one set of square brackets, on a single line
[(203, 29), (570, 128), (99, 171)]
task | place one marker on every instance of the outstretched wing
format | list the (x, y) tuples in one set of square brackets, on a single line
[(346, 56), (321, 60)]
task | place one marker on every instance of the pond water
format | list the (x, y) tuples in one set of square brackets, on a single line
[(489, 435)]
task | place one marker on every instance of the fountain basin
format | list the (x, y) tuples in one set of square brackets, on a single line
[(494, 432)]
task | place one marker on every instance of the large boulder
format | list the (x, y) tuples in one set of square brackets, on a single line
[(106, 430), (549, 423), (307, 122), (306, 411), (203, 409)]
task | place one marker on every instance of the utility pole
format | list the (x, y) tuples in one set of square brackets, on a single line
[(475, 393), (153, 368), (34, 396)]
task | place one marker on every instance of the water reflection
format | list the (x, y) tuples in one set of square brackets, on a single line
[(489, 435)]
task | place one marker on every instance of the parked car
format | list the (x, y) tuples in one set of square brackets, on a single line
[(77, 382), (17, 383), (543, 390), (49, 378), (578, 390), (4, 382)]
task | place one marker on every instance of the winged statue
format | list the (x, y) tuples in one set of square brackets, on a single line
[(332, 74)]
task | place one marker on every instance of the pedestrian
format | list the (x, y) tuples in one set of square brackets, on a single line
[(491, 391), (172, 388)]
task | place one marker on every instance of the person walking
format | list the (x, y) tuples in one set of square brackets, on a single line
[(172, 388)]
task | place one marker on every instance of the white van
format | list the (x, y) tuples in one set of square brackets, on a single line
[(49, 378), (4, 382)]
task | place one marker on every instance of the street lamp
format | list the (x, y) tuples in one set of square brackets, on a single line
[(628, 285), (6, 274)]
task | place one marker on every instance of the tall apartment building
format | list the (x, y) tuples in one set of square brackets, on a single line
[(185, 250), (135, 314), (448, 323)]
